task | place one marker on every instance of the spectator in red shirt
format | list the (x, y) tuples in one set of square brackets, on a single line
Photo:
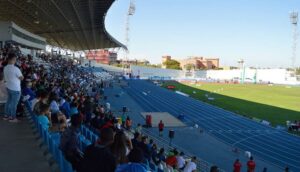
[(237, 166), (161, 126), (251, 165), (172, 160)]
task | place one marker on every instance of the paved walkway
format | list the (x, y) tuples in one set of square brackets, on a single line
[(19, 150)]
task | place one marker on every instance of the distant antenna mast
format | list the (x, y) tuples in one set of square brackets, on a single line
[(294, 22), (131, 11)]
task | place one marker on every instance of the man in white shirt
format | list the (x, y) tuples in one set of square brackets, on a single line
[(180, 161), (191, 166), (12, 77)]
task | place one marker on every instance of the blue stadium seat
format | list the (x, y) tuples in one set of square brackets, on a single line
[(85, 144), (89, 135), (51, 145), (67, 166), (84, 131), (159, 170), (94, 138), (56, 138), (152, 167)]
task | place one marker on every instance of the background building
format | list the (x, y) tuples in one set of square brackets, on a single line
[(102, 56), (195, 62), (200, 63)]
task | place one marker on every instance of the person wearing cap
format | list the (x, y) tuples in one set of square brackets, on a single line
[(13, 77)]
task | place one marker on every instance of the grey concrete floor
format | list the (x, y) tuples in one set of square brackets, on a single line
[(19, 150)]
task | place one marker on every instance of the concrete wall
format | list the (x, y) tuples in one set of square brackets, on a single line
[(276, 76), (6, 35), (147, 72), (104, 66), (4, 32), (109, 68)]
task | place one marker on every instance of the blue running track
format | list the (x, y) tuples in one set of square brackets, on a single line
[(271, 145)]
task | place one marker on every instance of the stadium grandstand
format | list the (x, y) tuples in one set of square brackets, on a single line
[(60, 115)]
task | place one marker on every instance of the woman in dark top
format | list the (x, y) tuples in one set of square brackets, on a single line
[(119, 147)]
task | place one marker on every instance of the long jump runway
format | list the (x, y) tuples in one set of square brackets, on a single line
[(271, 145)]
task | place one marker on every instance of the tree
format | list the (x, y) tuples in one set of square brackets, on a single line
[(189, 67), (172, 64), (298, 71)]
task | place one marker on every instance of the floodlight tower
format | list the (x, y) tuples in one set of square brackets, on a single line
[(131, 11), (241, 63), (294, 22)]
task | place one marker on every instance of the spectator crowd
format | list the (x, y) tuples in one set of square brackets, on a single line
[(65, 96)]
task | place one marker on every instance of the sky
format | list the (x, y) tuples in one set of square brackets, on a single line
[(258, 31)]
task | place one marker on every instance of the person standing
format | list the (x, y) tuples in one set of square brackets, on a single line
[(251, 165), (13, 77), (161, 126), (237, 166)]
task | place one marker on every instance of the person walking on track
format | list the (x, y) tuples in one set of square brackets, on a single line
[(161, 126)]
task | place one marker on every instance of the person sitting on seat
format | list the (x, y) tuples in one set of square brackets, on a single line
[(98, 157), (3, 90), (136, 139), (180, 161), (69, 142), (57, 116), (191, 166), (128, 123), (28, 92), (172, 160), (160, 156), (119, 148), (135, 164), (139, 128), (44, 118), (43, 100), (214, 169), (65, 107)]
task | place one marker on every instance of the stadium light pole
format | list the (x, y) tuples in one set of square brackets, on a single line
[(130, 12), (294, 22), (241, 63)]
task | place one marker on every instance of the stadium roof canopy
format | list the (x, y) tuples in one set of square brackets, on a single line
[(70, 24)]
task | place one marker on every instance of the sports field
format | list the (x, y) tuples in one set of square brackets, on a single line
[(276, 104)]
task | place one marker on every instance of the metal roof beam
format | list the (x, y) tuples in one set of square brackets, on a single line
[(80, 23), (67, 21), (28, 22), (92, 20)]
